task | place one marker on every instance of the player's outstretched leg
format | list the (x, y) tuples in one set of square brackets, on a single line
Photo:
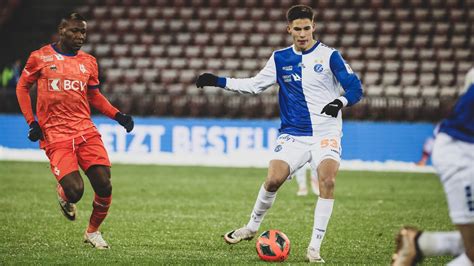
[(99, 177), (278, 172), (407, 252), (69, 191)]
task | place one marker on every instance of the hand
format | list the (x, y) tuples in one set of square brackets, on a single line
[(125, 120), (206, 79), (332, 108), (35, 133)]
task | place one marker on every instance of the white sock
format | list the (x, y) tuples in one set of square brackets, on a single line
[(322, 214), (301, 178), (440, 243), (264, 201), (461, 260)]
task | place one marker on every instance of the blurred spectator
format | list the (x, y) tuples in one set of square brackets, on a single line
[(11, 75)]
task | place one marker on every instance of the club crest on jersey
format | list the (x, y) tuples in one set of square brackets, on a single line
[(66, 85), (82, 68), (318, 68)]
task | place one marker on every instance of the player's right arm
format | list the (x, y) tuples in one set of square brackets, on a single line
[(28, 77), (264, 79)]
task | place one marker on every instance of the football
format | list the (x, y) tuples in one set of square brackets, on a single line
[(273, 245)]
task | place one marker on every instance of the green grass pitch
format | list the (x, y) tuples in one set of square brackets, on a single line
[(176, 215)]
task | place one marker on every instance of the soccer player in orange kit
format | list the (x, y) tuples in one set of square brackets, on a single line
[(67, 84)]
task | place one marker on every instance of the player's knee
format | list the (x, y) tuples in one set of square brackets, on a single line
[(272, 185), (105, 190), (74, 192)]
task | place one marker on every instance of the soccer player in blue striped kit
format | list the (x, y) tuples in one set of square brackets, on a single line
[(311, 77), (453, 159)]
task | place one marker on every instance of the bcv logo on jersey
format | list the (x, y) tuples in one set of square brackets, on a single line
[(66, 85)]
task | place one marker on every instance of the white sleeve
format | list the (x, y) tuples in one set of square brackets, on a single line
[(264, 79)]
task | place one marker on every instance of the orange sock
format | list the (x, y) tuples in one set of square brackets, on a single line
[(101, 208), (61, 193)]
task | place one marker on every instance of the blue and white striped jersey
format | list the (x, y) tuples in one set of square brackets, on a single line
[(308, 81), (460, 123)]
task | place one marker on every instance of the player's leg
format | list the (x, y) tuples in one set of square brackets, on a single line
[(99, 176), (466, 258), (314, 180), (70, 190), (289, 154), (64, 166), (94, 161), (413, 244), (327, 171), (278, 173), (300, 176)]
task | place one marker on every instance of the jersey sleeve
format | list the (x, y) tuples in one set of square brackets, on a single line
[(93, 82), (29, 76), (264, 79), (347, 78), (99, 102)]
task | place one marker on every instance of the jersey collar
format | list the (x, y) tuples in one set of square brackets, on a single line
[(307, 51), (53, 45)]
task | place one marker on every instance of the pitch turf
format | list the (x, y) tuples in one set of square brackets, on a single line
[(176, 215)]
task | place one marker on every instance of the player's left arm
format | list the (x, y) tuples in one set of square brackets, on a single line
[(99, 102), (347, 78)]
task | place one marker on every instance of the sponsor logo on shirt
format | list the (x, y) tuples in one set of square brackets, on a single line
[(53, 68), (296, 77), (47, 58), (66, 85), (288, 68), (278, 148)]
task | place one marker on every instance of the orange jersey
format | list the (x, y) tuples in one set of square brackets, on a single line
[(63, 82)]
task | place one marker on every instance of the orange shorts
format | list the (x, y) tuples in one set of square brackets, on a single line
[(66, 156)]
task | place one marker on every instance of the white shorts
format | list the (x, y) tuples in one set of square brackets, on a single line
[(454, 162), (296, 150)]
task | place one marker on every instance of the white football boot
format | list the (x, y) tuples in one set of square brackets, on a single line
[(96, 240), (313, 256), (235, 236)]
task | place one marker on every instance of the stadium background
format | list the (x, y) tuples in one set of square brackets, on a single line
[(411, 56)]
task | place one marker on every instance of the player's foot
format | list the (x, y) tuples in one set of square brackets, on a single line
[(235, 236), (69, 210), (315, 186), (407, 251), (302, 192), (313, 256), (96, 240)]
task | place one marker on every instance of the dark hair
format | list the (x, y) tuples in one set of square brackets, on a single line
[(72, 16), (299, 11)]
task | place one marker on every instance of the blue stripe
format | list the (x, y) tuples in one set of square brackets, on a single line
[(93, 86), (57, 51), (312, 48), (294, 113), (349, 81), (460, 123)]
